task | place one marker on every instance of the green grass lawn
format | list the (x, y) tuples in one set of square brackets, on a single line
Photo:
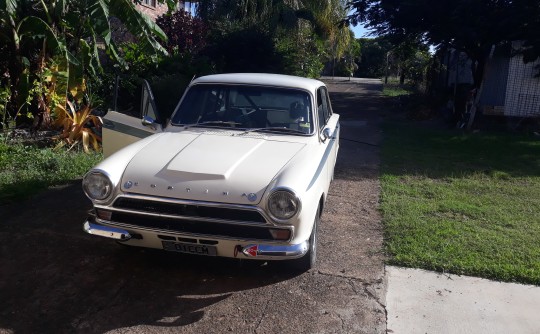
[(463, 204), (394, 89), (25, 170)]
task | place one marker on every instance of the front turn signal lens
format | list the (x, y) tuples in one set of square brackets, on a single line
[(279, 234)]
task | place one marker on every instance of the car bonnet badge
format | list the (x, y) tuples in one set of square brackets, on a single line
[(252, 197)]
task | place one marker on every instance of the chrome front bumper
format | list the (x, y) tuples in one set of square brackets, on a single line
[(106, 231), (276, 251), (252, 250)]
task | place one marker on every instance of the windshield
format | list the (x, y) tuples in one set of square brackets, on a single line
[(246, 107)]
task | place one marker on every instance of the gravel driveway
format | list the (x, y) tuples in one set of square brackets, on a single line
[(56, 279)]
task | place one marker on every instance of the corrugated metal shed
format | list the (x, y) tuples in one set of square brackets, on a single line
[(523, 88), (510, 86)]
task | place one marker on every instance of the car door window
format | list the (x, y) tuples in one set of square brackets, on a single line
[(328, 104), (148, 105), (322, 107)]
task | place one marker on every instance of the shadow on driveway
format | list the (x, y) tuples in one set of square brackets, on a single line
[(55, 278)]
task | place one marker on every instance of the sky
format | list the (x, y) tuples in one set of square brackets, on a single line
[(359, 31)]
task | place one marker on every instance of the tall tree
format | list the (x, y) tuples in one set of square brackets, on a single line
[(301, 30), (466, 25), (374, 59)]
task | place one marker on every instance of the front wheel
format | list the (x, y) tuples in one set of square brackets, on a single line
[(307, 261)]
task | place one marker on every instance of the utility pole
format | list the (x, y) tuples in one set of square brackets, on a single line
[(386, 71)]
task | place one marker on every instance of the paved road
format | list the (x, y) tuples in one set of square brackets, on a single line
[(56, 279)]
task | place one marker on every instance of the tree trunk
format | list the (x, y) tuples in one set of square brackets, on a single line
[(477, 68)]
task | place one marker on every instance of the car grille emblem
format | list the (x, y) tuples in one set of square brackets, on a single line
[(128, 184)]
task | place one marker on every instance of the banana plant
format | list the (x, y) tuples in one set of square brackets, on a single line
[(71, 32)]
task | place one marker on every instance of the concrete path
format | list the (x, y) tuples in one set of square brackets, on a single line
[(420, 301)]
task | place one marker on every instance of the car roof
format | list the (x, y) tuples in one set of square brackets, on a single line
[(263, 79)]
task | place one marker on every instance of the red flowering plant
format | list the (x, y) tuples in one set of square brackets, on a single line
[(186, 34)]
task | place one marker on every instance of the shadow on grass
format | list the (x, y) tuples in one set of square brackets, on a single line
[(410, 149)]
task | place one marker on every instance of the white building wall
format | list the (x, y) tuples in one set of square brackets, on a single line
[(523, 89)]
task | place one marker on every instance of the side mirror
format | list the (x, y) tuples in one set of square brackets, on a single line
[(326, 134), (149, 122)]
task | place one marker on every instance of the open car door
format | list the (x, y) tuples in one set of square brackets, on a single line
[(120, 129)]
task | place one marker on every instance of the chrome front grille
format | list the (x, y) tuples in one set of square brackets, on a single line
[(194, 218), (189, 210), (186, 226)]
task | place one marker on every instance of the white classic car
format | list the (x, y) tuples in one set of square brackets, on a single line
[(241, 170)]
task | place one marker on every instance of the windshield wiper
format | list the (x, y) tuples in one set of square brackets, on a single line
[(272, 129), (212, 123)]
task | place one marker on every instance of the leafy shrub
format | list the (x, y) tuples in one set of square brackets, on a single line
[(239, 49), (301, 56), (186, 34)]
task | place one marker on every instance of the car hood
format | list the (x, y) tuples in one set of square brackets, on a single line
[(207, 167)]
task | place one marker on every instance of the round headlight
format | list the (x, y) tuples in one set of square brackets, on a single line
[(283, 204), (97, 185)]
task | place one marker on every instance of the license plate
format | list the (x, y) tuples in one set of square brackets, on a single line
[(189, 248)]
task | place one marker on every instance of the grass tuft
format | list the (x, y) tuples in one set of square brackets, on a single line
[(394, 89)]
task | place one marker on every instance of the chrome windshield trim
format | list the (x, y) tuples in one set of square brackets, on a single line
[(301, 89)]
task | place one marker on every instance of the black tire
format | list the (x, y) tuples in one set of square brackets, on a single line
[(308, 261)]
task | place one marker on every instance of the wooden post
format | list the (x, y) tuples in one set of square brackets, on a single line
[(479, 92)]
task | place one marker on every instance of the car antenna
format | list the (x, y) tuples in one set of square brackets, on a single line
[(194, 76)]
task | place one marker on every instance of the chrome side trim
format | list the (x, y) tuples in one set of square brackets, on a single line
[(275, 252), (106, 231), (322, 164)]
